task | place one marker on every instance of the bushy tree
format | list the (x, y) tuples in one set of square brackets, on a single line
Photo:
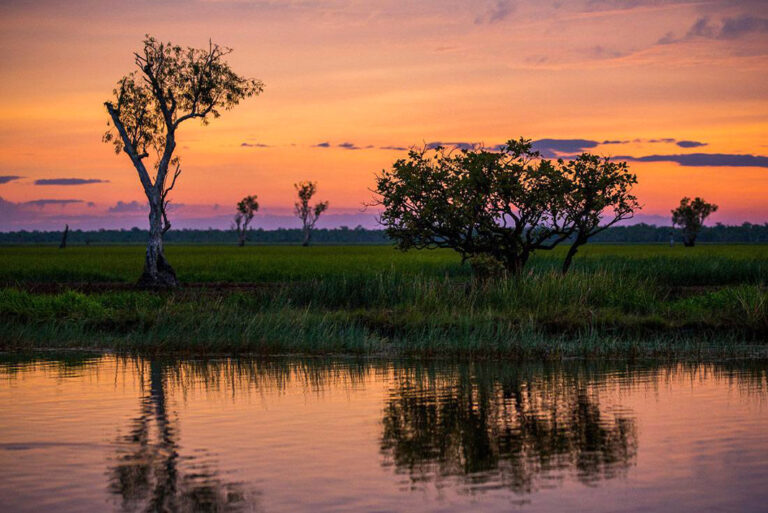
[(690, 216), (487, 205), (306, 213), (172, 85), (598, 196), (246, 208)]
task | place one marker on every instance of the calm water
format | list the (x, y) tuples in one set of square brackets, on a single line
[(100, 433)]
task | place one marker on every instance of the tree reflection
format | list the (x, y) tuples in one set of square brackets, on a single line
[(149, 474), (500, 427)]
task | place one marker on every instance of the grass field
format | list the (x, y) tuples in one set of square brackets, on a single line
[(617, 301)]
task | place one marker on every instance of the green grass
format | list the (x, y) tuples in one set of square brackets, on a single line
[(617, 301)]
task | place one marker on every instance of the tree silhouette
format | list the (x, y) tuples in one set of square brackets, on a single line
[(510, 428), (148, 474), (690, 216), (498, 205), (246, 208), (63, 243), (172, 85), (598, 196), (308, 215)]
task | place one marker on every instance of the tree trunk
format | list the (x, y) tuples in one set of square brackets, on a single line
[(307, 236), (64, 237), (241, 239), (572, 252), (514, 264), (158, 273)]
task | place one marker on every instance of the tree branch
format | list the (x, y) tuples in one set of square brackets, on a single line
[(129, 148)]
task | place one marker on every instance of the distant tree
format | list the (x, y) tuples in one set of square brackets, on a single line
[(690, 216), (308, 215), (494, 207), (246, 208), (172, 85), (63, 243), (597, 197)]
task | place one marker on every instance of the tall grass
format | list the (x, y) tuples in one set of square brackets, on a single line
[(543, 315), (699, 266)]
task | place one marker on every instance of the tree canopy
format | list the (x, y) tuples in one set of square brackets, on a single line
[(690, 216), (599, 195), (501, 204), (479, 202)]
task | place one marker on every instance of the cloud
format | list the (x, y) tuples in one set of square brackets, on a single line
[(729, 28), (254, 145), (69, 181), (122, 207), (458, 145), (393, 148), (349, 146), (704, 159), (690, 144), (667, 140), (8, 178), (8, 208), (498, 11), (668, 39), (734, 28), (702, 28), (140, 207), (552, 148), (322, 145), (615, 141), (45, 202), (601, 52)]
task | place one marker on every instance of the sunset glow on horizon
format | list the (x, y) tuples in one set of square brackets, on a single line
[(678, 88)]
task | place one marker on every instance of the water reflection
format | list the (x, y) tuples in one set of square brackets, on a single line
[(497, 426), (292, 434), (148, 473)]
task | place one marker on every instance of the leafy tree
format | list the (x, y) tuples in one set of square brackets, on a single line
[(308, 215), (598, 196), (690, 216), (246, 209), (487, 205), (172, 85)]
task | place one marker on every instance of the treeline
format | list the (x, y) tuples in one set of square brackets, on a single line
[(638, 233), (648, 233), (343, 235)]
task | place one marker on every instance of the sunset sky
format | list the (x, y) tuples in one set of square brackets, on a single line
[(680, 89)]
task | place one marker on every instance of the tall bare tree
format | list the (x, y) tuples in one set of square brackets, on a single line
[(172, 85), (246, 208), (308, 215), (63, 243)]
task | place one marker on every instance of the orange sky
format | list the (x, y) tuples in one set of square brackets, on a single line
[(386, 74)]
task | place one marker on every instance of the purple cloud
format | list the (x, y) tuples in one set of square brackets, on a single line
[(45, 202), (9, 178), (499, 10), (690, 144), (122, 207), (69, 181), (704, 159)]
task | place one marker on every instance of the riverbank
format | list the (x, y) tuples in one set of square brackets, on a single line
[(618, 302)]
